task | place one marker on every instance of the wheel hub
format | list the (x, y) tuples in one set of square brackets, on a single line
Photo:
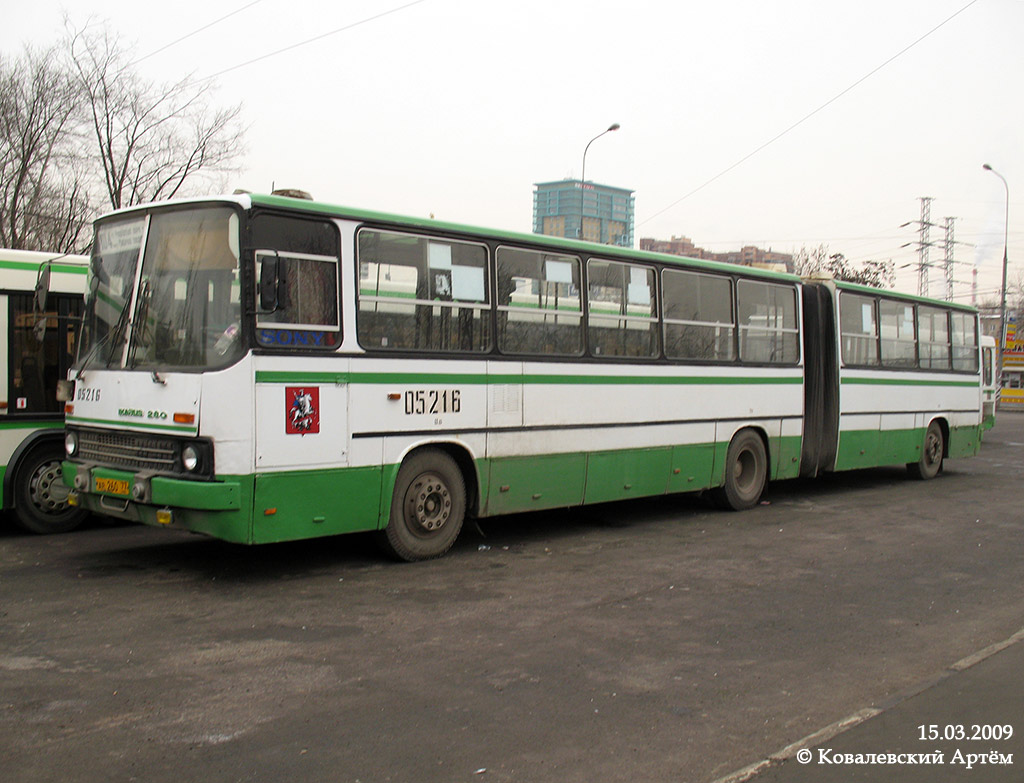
[(429, 503), (49, 493)]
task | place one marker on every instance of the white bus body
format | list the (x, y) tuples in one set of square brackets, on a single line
[(279, 369)]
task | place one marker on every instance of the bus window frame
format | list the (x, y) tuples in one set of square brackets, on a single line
[(581, 313), (487, 307), (731, 281), (655, 320), (874, 337), (918, 366), (795, 329)]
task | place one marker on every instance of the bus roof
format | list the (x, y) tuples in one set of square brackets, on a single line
[(19, 271), (33, 259), (248, 200), (866, 289), (560, 243)]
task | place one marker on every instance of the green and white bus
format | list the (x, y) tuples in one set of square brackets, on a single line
[(265, 368), (36, 350)]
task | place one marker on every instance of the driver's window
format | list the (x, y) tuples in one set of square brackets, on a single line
[(296, 267)]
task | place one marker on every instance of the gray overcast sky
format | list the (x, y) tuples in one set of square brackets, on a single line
[(456, 107)]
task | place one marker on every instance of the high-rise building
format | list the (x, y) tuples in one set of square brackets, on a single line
[(584, 210)]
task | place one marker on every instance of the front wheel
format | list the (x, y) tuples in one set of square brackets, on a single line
[(427, 507), (746, 472), (40, 495), (932, 451)]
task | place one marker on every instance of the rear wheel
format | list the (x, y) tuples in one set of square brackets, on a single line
[(427, 508), (932, 451), (746, 472), (40, 495)]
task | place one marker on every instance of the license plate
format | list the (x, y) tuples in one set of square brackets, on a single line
[(113, 486)]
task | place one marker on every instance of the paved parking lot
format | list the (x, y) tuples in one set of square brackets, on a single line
[(643, 641)]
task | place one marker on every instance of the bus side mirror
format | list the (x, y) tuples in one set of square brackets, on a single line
[(270, 282), (39, 301), (42, 287)]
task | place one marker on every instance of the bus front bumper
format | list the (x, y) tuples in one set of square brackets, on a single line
[(151, 499)]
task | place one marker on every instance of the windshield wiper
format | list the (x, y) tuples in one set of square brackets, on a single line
[(141, 314), (118, 328)]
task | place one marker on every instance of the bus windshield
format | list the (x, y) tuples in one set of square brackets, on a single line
[(181, 309)]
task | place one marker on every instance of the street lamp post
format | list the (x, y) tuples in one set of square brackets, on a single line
[(583, 178), (1002, 299)]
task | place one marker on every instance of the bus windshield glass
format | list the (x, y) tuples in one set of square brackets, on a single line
[(182, 309)]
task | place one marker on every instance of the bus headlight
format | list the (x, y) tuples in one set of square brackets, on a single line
[(190, 458), (70, 444), (194, 459)]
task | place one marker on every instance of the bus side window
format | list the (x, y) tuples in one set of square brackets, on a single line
[(304, 254), (699, 321), (964, 336), (621, 317), (539, 307), (899, 346), (36, 366), (859, 329), (307, 293), (422, 293), (933, 337), (767, 322)]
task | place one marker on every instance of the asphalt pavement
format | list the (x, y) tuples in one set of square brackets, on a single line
[(966, 725), (656, 640)]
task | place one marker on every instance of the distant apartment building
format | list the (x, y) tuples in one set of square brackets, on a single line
[(584, 210), (746, 256)]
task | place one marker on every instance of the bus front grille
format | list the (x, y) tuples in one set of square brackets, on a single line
[(127, 451)]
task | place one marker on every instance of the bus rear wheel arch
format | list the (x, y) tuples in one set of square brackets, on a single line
[(933, 449), (746, 472), (428, 507)]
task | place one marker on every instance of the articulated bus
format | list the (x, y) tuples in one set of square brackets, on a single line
[(265, 368), (36, 350)]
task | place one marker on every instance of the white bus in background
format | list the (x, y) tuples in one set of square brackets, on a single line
[(38, 345)]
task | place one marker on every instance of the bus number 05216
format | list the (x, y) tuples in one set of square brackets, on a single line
[(432, 401)]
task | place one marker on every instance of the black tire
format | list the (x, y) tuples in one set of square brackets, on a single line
[(932, 451), (40, 495), (428, 507), (746, 472)]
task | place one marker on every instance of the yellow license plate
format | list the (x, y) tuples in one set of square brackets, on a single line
[(113, 486)]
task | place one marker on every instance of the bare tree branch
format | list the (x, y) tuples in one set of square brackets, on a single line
[(43, 201), (154, 141), (818, 261)]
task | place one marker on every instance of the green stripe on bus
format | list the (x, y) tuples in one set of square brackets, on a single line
[(33, 266), (133, 424), (276, 376), (31, 425), (907, 382)]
